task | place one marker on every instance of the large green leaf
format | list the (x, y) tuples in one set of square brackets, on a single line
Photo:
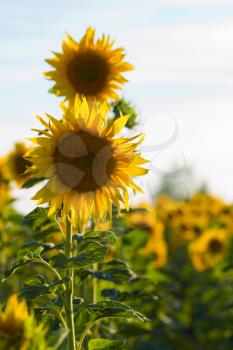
[(109, 309), (89, 253), (17, 265), (106, 344), (103, 237), (35, 287)]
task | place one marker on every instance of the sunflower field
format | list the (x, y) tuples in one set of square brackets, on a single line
[(86, 269)]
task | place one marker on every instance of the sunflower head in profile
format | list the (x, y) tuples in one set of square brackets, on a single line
[(18, 328), (90, 68), (17, 165), (208, 250), (87, 167)]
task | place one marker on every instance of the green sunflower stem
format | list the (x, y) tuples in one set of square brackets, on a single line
[(69, 289), (95, 285)]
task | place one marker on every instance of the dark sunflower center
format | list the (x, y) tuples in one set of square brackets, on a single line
[(215, 246), (20, 164), (144, 226), (88, 73), (84, 162), (10, 329)]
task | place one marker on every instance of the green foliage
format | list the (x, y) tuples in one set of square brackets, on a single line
[(36, 218), (112, 309), (125, 108), (187, 309), (56, 338), (114, 271), (105, 344)]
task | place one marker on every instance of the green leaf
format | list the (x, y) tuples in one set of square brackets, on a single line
[(52, 307), (115, 271), (32, 182), (58, 261), (124, 107), (109, 309), (56, 338), (38, 286), (135, 239), (31, 292), (21, 262), (105, 344), (136, 294), (37, 218), (90, 253), (103, 237), (15, 266), (34, 248), (42, 232)]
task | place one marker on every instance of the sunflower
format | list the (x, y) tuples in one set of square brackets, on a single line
[(3, 173), (90, 68), (146, 220), (156, 246), (204, 203), (88, 169), (4, 186), (168, 208), (17, 165), (142, 218), (13, 317), (208, 250), (18, 329)]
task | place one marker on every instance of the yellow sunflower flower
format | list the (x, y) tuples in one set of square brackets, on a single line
[(18, 329), (225, 217), (209, 249), (88, 169), (17, 165), (5, 195), (146, 220), (201, 203), (88, 68), (13, 317), (143, 219), (3, 173), (157, 246)]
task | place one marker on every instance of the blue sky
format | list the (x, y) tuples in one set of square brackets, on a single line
[(183, 54)]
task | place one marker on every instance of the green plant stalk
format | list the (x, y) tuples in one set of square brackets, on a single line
[(69, 289), (95, 285), (86, 330), (81, 340)]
